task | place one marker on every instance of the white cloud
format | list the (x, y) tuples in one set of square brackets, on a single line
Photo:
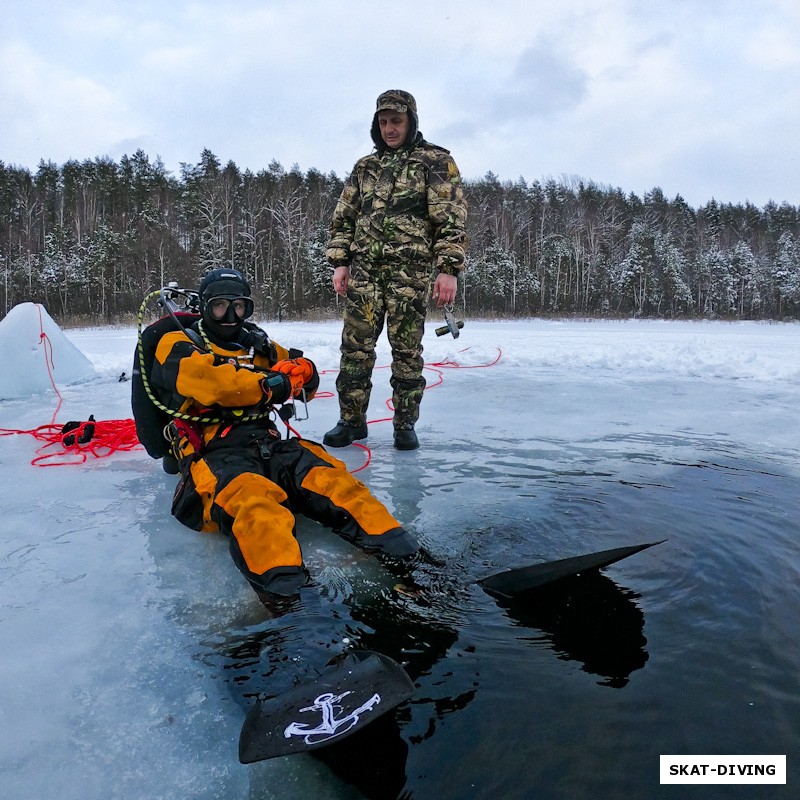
[(57, 114), (698, 98)]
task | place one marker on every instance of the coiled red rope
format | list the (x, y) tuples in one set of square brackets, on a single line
[(66, 446), (75, 442)]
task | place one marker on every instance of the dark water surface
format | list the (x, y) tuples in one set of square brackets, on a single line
[(690, 647)]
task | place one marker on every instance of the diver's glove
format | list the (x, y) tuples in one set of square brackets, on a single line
[(298, 370), (421, 574)]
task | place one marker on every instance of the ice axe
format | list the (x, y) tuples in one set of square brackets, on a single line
[(450, 326)]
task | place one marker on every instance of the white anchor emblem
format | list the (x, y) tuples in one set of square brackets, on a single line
[(330, 727)]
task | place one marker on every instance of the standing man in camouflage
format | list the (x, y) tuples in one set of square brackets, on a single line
[(400, 218)]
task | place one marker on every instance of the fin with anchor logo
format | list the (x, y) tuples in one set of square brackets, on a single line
[(355, 690), (331, 726)]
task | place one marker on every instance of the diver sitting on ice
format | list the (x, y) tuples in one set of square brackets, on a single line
[(222, 376)]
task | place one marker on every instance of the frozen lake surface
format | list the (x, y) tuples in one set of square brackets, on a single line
[(132, 646)]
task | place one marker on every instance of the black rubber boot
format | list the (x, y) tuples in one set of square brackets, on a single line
[(405, 438), (344, 433), (276, 605), (279, 589)]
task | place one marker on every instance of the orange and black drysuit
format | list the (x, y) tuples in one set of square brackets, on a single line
[(239, 477)]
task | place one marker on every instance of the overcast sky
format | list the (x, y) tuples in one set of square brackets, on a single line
[(698, 97)]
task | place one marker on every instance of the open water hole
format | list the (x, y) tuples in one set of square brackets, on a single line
[(689, 647)]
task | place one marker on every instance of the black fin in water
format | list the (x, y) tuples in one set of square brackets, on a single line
[(512, 582)]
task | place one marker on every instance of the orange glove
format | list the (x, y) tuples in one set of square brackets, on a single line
[(299, 371)]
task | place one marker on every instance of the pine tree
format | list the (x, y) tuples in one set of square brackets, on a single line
[(786, 273)]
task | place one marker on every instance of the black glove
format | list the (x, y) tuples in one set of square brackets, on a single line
[(277, 388), (421, 574)]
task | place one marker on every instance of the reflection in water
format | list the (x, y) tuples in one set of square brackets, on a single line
[(418, 639), (373, 759), (587, 618), (273, 656)]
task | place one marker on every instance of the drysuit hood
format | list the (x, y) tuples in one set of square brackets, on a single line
[(232, 285)]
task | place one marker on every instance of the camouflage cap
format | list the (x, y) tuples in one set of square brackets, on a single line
[(397, 100)]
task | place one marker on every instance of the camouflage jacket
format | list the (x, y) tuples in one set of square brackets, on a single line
[(404, 205)]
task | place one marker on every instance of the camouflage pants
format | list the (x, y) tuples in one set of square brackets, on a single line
[(398, 295)]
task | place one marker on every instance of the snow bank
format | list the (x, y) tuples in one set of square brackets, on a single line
[(37, 354)]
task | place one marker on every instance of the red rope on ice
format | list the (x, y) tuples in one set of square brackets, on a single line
[(65, 448), (49, 360), (435, 366), (47, 345)]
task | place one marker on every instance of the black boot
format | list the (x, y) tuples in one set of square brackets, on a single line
[(279, 589), (276, 605), (405, 438), (344, 433)]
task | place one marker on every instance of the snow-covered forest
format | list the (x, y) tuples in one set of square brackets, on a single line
[(89, 239)]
